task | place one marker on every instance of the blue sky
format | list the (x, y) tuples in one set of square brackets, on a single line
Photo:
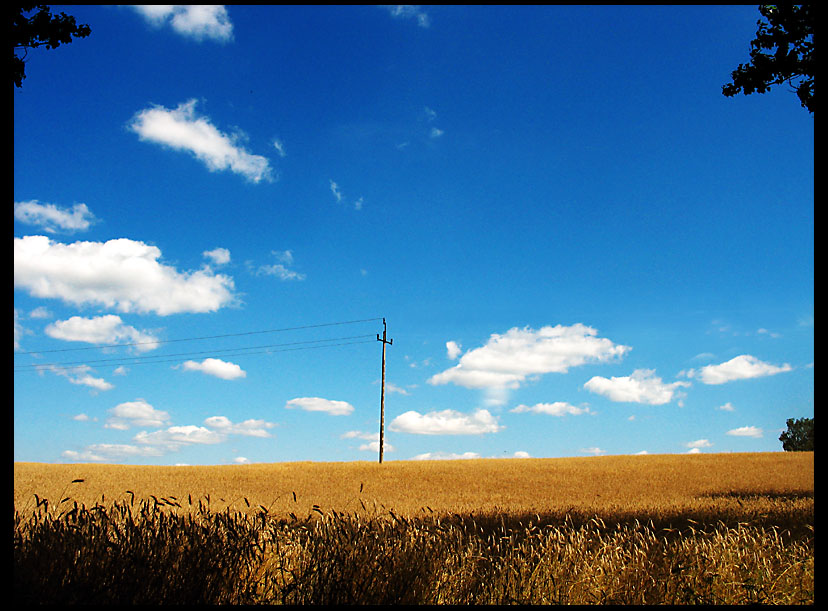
[(579, 245)]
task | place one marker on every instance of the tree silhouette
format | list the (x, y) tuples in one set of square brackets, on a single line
[(40, 29), (800, 435), (790, 31)]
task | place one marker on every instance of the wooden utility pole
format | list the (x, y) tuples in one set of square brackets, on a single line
[(382, 392)]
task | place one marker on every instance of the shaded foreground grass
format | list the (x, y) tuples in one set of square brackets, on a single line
[(730, 539)]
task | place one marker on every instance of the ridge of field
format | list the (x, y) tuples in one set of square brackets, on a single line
[(646, 484)]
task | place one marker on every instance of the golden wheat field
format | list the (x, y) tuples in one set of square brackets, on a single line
[(664, 529), (603, 485)]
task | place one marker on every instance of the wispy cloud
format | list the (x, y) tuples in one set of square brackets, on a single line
[(338, 195), (409, 11), (54, 219), (247, 428), (281, 269), (197, 21), (182, 129), (121, 273), (558, 408), (79, 375)]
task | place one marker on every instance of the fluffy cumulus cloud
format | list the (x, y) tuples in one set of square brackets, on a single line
[(643, 386), (558, 408), (122, 274), (508, 359), (317, 404), (446, 422), (216, 368), (53, 219), (742, 367), (182, 129), (107, 329), (198, 21), (136, 413)]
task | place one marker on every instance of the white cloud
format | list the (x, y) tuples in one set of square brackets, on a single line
[(446, 456), (52, 218), (241, 460), (120, 273), (181, 129), (280, 270), (40, 312), (745, 431), (727, 407), (219, 256), (643, 386), (198, 21), (315, 404), (446, 422), (136, 413), (172, 438), (698, 444), (435, 133), (336, 192), (594, 450), (409, 11), (79, 375), (106, 452), (741, 367), (453, 350), (107, 329), (506, 360), (215, 367), (558, 408), (247, 428), (19, 330), (280, 147)]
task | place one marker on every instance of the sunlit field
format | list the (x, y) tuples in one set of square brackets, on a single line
[(675, 529)]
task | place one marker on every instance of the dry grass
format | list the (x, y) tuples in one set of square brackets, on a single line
[(721, 529)]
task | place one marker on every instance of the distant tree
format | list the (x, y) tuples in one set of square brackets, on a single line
[(790, 31), (800, 435), (39, 29)]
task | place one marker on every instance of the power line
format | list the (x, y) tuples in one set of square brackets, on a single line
[(134, 360), (189, 339), (50, 366)]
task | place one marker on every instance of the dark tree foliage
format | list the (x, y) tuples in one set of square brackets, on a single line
[(800, 435), (782, 52), (33, 25)]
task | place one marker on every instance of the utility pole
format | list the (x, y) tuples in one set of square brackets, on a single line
[(382, 392)]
